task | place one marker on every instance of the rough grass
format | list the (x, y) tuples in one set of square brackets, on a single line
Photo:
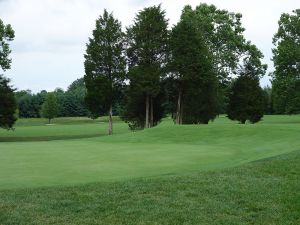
[(262, 192)]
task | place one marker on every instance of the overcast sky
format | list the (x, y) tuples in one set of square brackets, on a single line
[(51, 34)]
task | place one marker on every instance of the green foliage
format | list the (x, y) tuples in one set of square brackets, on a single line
[(147, 50), (268, 100), (8, 104), (104, 64), (29, 105), (246, 100), (7, 34), (286, 58), (192, 66), (50, 107), (223, 32)]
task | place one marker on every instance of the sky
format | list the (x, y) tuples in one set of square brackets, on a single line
[(51, 35)]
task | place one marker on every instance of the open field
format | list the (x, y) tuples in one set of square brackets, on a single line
[(165, 175)]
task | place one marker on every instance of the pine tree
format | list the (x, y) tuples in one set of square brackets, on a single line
[(192, 67), (8, 104), (104, 66), (247, 101), (147, 51)]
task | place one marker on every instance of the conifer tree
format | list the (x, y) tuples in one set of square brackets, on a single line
[(104, 66), (147, 41)]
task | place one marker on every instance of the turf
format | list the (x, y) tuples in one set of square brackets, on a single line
[(163, 150), (261, 192)]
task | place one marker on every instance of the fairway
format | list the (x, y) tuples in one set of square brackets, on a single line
[(79, 151)]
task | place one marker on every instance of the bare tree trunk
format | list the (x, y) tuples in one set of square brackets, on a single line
[(178, 110), (147, 112), (49, 120), (110, 121), (151, 112), (181, 112)]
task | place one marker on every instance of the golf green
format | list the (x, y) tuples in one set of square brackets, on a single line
[(81, 153)]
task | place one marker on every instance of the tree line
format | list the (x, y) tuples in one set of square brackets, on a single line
[(201, 67)]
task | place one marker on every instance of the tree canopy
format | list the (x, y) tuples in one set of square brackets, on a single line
[(8, 102), (104, 66), (147, 52), (286, 58)]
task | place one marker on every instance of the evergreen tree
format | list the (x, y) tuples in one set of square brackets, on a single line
[(147, 42), (50, 107), (247, 101), (8, 104), (286, 58), (192, 67), (104, 66), (7, 100)]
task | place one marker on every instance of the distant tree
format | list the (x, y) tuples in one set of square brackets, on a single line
[(268, 100), (246, 101), (104, 66), (8, 105), (192, 68), (50, 107), (75, 96), (29, 104), (7, 100), (147, 41), (286, 58)]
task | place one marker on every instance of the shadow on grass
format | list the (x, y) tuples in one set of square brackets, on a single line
[(48, 138)]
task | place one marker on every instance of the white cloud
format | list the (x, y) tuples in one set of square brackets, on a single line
[(51, 34)]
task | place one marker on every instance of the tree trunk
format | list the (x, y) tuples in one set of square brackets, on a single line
[(110, 121), (181, 112), (147, 112), (179, 106), (49, 120), (151, 112)]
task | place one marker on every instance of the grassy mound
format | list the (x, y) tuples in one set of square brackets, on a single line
[(166, 149), (262, 192)]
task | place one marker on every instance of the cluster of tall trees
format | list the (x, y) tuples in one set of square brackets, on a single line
[(186, 71), (201, 67)]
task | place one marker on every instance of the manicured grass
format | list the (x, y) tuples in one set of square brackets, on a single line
[(60, 129), (166, 149), (262, 192)]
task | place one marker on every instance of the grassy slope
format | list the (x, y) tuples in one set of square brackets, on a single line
[(166, 149), (262, 192)]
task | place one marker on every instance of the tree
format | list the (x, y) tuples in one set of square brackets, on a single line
[(8, 103), (50, 107), (104, 66), (147, 52), (192, 67), (247, 101), (286, 58), (268, 96)]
